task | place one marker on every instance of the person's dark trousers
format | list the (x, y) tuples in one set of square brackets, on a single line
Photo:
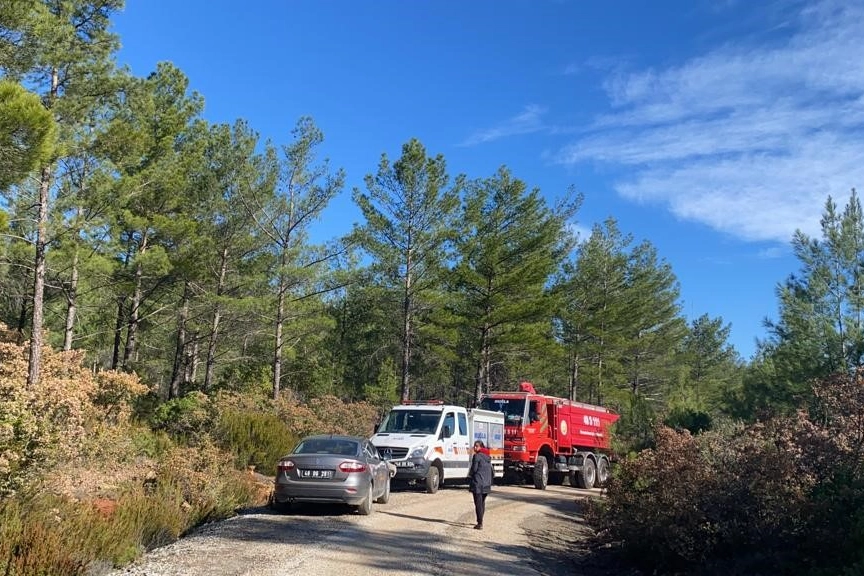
[(480, 506)]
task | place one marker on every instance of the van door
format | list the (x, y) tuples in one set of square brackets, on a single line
[(464, 440), (449, 436)]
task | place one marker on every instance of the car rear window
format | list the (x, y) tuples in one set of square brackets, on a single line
[(328, 446)]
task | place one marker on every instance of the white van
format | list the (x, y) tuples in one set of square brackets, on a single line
[(432, 442)]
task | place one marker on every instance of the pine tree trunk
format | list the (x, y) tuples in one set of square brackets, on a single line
[(214, 326), (130, 353), (179, 370), (277, 352), (71, 305), (118, 332), (132, 328), (482, 380), (36, 336), (406, 334), (192, 363)]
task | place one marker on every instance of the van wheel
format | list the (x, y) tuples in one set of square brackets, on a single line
[(541, 473), (433, 480)]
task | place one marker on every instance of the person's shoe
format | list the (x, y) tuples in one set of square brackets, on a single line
[(478, 527)]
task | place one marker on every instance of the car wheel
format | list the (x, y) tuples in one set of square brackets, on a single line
[(385, 497), (281, 507), (365, 507), (433, 480)]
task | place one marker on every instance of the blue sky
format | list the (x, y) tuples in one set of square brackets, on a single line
[(711, 128)]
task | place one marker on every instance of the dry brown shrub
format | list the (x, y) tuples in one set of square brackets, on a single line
[(327, 415), (769, 497), (58, 418)]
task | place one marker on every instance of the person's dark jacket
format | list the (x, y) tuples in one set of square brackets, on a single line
[(480, 474)]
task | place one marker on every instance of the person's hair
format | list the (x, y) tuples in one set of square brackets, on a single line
[(480, 443)]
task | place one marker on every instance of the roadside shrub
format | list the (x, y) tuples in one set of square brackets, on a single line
[(326, 415), (53, 419), (254, 438), (46, 533), (337, 417), (694, 421), (187, 419), (205, 478), (769, 498)]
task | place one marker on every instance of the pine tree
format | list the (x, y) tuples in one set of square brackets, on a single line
[(408, 208), (62, 48), (510, 245)]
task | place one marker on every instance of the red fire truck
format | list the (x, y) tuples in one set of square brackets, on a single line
[(547, 439)]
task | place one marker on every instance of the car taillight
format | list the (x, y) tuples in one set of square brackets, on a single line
[(350, 467), (285, 466)]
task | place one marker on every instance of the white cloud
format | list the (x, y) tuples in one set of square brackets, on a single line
[(749, 140), (528, 121)]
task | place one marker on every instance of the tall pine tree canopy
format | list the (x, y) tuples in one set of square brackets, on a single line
[(27, 133)]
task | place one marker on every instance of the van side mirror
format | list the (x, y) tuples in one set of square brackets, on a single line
[(445, 432)]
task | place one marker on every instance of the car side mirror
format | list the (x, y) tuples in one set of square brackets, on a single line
[(445, 432)]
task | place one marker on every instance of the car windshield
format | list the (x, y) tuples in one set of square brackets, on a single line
[(337, 446), (413, 421), (513, 409)]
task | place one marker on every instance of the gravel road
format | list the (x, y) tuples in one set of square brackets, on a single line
[(527, 532)]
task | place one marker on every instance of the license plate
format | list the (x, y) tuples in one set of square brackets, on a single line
[(316, 473), (403, 464)]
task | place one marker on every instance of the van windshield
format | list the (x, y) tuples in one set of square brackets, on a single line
[(513, 409), (412, 421)]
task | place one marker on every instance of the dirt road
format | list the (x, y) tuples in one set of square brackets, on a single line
[(527, 532)]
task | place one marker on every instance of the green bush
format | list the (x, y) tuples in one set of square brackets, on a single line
[(694, 421), (186, 419), (254, 438)]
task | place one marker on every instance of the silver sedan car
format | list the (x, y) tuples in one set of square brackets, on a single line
[(332, 469)]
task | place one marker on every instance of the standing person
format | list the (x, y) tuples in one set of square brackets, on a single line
[(480, 480)]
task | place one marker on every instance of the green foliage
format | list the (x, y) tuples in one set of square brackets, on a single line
[(693, 421), (385, 392), (254, 438), (819, 330), (27, 133), (510, 243), (635, 429), (408, 206), (185, 418)]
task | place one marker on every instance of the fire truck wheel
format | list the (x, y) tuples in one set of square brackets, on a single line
[(602, 472), (541, 473), (586, 477), (433, 480)]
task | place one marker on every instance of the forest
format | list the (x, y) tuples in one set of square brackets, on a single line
[(152, 245)]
